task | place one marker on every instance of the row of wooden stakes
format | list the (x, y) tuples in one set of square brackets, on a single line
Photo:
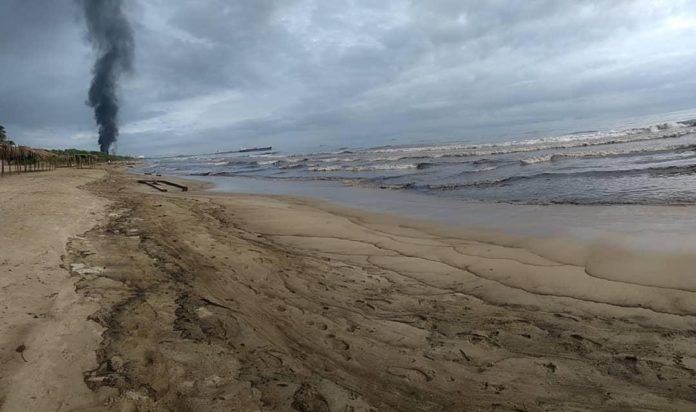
[(20, 159)]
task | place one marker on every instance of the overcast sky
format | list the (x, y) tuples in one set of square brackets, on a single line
[(220, 74)]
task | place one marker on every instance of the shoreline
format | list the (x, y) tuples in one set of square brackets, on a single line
[(215, 302), (630, 231), (259, 186)]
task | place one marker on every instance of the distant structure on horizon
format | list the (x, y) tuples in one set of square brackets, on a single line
[(255, 149), (245, 150)]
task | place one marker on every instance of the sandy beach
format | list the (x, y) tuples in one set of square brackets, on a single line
[(117, 297)]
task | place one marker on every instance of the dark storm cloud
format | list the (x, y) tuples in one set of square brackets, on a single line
[(221, 74), (40, 56)]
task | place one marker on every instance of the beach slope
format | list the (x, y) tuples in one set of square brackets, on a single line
[(241, 302)]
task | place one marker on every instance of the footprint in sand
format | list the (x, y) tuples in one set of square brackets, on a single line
[(338, 344), (318, 325), (410, 374)]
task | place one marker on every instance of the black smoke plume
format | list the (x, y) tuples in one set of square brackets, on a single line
[(111, 36)]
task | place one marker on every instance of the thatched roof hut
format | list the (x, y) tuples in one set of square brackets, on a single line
[(15, 159), (16, 153), (41, 153)]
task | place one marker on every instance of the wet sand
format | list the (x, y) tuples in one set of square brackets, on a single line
[(247, 302)]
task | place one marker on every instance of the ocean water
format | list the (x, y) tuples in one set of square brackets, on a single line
[(651, 165)]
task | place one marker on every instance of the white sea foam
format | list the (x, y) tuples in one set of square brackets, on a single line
[(662, 131), (366, 168), (336, 159), (655, 164), (594, 154), (537, 159)]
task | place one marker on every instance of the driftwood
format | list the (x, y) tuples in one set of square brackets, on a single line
[(152, 184), (182, 187), (155, 184)]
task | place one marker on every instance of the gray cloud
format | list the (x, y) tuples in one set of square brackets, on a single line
[(299, 73)]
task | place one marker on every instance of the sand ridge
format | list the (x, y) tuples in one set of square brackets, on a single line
[(264, 303)]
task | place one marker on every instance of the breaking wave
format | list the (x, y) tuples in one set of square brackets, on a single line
[(368, 168), (649, 164)]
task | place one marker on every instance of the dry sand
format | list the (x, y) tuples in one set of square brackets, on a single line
[(268, 303), (39, 308)]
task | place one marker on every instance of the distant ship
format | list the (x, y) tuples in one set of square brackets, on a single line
[(244, 150), (255, 149)]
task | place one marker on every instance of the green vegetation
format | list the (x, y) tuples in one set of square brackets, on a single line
[(100, 156), (3, 136)]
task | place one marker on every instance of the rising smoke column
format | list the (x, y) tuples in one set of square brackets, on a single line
[(111, 36)]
